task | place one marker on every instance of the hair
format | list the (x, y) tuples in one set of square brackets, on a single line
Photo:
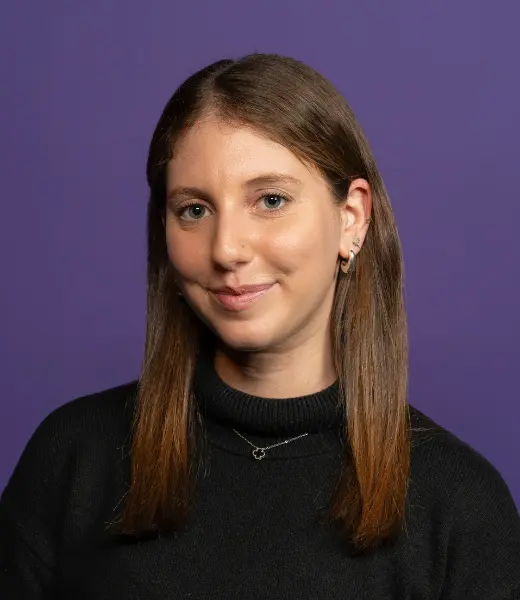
[(294, 105)]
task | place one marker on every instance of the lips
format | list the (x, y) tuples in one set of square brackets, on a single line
[(243, 289), (240, 298)]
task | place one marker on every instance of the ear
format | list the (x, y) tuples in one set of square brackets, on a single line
[(355, 210)]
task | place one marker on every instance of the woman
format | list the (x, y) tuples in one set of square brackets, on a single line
[(268, 449)]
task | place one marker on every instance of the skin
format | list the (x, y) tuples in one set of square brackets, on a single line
[(239, 233)]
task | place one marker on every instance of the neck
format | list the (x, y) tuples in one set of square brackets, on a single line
[(303, 370)]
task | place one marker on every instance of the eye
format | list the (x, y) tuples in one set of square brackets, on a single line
[(274, 201), (192, 212)]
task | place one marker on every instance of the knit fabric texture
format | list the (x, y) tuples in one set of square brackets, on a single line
[(254, 531)]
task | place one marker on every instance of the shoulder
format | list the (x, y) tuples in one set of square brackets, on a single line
[(79, 431), (466, 501), (87, 419), (68, 470), (451, 469), (88, 415), (94, 415)]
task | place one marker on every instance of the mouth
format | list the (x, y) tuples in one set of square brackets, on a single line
[(240, 298)]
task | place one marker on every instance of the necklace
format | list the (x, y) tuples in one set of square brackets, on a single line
[(259, 453)]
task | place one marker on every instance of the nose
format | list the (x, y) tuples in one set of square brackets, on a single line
[(231, 241)]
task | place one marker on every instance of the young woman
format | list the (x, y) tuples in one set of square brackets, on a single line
[(268, 449)]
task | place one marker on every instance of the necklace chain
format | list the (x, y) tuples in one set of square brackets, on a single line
[(259, 453)]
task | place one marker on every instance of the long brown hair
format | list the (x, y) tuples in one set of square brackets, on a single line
[(297, 107)]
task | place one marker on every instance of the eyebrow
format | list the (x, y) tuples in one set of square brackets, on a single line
[(266, 179)]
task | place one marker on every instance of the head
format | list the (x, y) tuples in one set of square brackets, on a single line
[(260, 175), (244, 210), (256, 182)]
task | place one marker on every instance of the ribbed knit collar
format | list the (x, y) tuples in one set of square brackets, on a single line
[(265, 421)]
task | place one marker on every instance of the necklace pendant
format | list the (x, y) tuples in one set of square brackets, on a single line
[(258, 453)]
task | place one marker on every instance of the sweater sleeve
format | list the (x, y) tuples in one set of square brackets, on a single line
[(30, 516), (23, 574), (483, 561)]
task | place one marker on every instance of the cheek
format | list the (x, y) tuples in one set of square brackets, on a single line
[(184, 253), (305, 246)]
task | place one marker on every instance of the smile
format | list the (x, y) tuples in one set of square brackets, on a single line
[(237, 302)]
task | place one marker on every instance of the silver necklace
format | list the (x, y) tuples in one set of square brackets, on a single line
[(259, 453)]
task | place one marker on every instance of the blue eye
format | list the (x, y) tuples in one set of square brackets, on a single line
[(272, 201)]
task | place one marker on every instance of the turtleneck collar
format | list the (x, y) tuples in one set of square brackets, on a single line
[(265, 421)]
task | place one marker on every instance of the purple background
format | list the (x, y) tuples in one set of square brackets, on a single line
[(436, 87)]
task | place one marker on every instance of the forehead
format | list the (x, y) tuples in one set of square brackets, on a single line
[(215, 150)]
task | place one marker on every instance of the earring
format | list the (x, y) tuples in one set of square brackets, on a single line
[(179, 292), (349, 266)]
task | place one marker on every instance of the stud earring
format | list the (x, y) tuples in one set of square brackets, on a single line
[(178, 287)]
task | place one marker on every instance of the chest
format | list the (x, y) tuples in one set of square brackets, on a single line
[(214, 562)]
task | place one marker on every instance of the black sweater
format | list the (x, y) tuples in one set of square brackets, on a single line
[(254, 531)]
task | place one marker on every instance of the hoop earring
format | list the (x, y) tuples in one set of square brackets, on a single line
[(349, 266)]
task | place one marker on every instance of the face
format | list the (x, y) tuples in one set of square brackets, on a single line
[(253, 236)]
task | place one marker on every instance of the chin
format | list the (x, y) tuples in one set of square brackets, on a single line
[(241, 332), (242, 338)]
